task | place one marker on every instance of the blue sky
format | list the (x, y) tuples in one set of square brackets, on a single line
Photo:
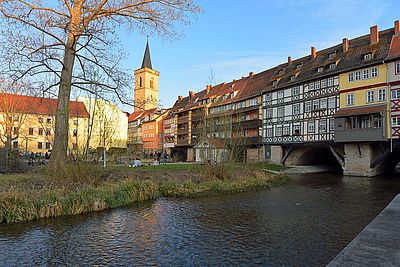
[(231, 38)]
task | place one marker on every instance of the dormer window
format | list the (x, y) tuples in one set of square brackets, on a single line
[(293, 77), (332, 55), (298, 66), (320, 69), (368, 56), (274, 82), (280, 72), (332, 66)]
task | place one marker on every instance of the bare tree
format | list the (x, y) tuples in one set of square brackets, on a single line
[(69, 39)]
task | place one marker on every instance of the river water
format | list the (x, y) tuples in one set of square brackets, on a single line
[(306, 222)]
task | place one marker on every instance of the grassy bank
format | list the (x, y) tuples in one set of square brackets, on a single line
[(83, 188)]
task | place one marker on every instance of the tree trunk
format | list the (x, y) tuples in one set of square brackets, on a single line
[(60, 146), (59, 153)]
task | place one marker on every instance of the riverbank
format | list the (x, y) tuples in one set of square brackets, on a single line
[(85, 188)]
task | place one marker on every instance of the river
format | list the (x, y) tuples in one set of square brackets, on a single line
[(306, 222)]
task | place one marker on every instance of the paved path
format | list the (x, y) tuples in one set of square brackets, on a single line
[(378, 244)]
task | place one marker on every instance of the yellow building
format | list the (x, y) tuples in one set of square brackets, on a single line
[(146, 84), (364, 104), (108, 124), (27, 123)]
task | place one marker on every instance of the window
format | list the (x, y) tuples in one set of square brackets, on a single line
[(286, 130), (296, 90), (298, 66), (254, 102), (351, 76), (40, 120), (377, 119), (152, 82), (365, 122), (269, 113), (75, 122), (307, 106), (281, 94), (374, 72), (296, 109), (332, 125), (370, 96), (140, 82), (48, 145), (296, 130), (332, 102), (268, 97), (315, 105), (349, 99), (324, 103), (396, 121), (332, 55), (320, 69), (293, 77), (395, 94), (278, 131), (247, 117), (357, 75), (311, 86), (75, 133), (317, 85), (397, 68), (48, 120), (382, 94), (330, 82), (332, 66), (311, 126), (368, 56), (30, 131), (281, 111), (274, 83), (322, 126), (48, 131), (323, 83), (269, 132), (40, 145), (40, 131), (366, 74)]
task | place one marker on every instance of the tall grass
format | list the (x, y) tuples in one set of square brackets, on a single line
[(84, 189)]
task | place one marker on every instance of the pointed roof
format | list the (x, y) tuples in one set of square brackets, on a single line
[(147, 59)]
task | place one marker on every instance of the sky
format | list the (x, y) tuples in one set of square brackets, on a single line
[(231, 38)]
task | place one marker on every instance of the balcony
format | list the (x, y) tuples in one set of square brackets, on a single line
[(183, 119), (247, 124), (183, 131), (183, 142), (360, 135)]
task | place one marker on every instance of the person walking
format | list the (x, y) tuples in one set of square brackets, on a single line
[(165, 157)]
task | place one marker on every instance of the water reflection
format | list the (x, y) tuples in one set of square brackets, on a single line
[(306, 222)]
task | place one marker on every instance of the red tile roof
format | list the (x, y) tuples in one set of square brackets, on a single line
[(135, 115), (39, 105), (394, 51)]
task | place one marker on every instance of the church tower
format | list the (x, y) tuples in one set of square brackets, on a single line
[(146, 84)]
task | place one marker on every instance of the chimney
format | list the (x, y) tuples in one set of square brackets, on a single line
[(251, 74), (345, 45), (313, 53), (289, 61), (397, 27), (180, 98), (191, 95), (374, 34), (208, 88)]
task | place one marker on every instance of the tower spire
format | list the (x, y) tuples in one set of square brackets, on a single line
[(147, 59)]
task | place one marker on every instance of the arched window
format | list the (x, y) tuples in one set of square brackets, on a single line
[(152, 82), (140, 82)]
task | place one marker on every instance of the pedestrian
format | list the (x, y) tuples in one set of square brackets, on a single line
[(165, 157), (159, 157)]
